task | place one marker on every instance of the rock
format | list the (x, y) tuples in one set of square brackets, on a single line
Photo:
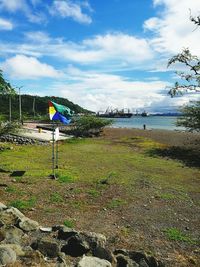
[(61, 261), (93, 239), (137, 256), (15, 212), (143, 263), (65, 233), (16, 248), (48, 247), (13, 235), (46, 229), (93, 262), (124, 261), (75, 247), (35, 257), (27, 224), (7, 255), (103, 253), (2, 206)]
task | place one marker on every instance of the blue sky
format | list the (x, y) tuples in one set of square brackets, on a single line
[(98, 53)]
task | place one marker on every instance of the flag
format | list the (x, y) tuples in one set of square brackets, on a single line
[(59, 112)]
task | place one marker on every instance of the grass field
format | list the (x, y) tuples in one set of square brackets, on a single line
[(119, 187)]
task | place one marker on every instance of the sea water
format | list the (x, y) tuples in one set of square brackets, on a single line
[(150, 122)]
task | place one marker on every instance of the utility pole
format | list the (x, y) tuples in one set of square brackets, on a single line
[(20, 105), (34, 107)]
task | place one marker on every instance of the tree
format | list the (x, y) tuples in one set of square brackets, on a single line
[(191, 77), (190, 118), (88, 126), (6, 89)]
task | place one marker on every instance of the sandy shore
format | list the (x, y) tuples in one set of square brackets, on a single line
[(172, 138)]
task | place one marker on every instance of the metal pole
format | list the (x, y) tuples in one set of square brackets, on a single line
[(53, 176), (57, 154), (20, 106)]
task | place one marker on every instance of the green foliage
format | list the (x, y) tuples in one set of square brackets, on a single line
[(93, 192), (191, 78), (176, 235), (116, 202), (69, 223), (190, 118), (41, 106), (9, 127), (65, 178), (56, 197), (88, 126), (23, 204), (5, 87)]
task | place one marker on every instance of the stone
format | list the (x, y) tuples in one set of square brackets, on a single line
[(65, 233), (93, 239), (48, 247), (143, 263), (46, 229), (2, 206), (125, 261), (7, 255), (88, 261), (75, 247), (103, 253), (15, 212), (16, 248), (137, 256), (12, 234), (152, 262), (27, 224)]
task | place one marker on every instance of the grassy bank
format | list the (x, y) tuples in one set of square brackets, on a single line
[(117, 185)]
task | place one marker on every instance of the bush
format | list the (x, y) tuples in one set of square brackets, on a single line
[(88, 126), (9, 127)]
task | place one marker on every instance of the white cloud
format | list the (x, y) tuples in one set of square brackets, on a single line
[(66, 8), (38, 37), (98, 91), (172, 28), (114, 50), (6, 25), (23, 67), (14, 6)]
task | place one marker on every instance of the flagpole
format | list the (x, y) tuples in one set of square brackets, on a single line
[(53, 176), (57, 153)]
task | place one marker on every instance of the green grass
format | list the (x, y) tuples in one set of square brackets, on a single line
[(65, 178), (56, 198), (175, 234), (69, 223), (93, 193), (115, 203), (23, 204), (14, 190)]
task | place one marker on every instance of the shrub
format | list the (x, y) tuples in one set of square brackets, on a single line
[(9, 127), (88, 126)]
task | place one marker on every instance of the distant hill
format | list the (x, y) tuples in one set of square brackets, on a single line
[(37, 103)]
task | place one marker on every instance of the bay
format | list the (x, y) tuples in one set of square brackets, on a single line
[(151, 122)]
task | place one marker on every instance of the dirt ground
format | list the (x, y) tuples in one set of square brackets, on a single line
[(138, 223)]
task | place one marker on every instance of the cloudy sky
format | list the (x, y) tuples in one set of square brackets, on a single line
[(98, 53)]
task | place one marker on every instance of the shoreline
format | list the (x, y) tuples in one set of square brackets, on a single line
[(168, 137)]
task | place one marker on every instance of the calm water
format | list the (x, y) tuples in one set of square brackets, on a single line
[(151, 122)]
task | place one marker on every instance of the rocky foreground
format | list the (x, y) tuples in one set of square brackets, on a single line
[(23, 242)]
